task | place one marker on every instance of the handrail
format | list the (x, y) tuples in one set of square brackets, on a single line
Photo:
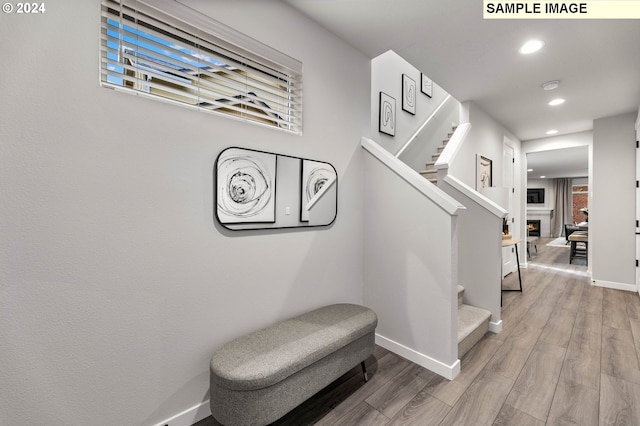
[(444, 161), (429, 190), (477, 197), (453, 146), (427, 121)]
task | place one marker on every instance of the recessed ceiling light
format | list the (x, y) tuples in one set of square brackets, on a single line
[(551, 85), (531, 46), (555, 102), (542, 177), (552, 132), (529, 170)]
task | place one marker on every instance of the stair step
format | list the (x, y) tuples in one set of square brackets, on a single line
[(460, 293), (473, 324), (434, 157), (430, 174), (430, 165), (440, 149)]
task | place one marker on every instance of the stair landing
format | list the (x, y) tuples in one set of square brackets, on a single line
[(473, 324)]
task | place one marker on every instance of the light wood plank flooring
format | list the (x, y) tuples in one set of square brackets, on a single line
[(568, 354)]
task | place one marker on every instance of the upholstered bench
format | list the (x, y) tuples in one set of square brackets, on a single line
[(258, 378)]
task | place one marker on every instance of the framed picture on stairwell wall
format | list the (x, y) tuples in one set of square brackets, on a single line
[(426, 85), (484, 171), (387, 115), (408, 94)]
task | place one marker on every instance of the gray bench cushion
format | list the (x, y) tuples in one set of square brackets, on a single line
[(270, 355)]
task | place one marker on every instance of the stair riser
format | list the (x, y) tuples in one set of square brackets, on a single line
[(470, 341)]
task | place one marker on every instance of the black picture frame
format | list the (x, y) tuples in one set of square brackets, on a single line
[(387, 115), (535, 195), (246, 186), (243, 176), (408, 94), (426, 85), (315, 176)]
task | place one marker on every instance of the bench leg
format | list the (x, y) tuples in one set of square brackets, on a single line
[(364, 371)]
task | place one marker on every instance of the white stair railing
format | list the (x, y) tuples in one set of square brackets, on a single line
[(410, 262)]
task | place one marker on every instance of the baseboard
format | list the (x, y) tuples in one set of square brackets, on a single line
[(615, 286), (446, 371), (189, 416), (495, 327)]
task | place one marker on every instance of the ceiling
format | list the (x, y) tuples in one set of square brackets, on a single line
[(596, 61), (559, 163)]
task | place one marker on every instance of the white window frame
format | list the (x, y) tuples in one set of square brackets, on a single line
[(165, 50)]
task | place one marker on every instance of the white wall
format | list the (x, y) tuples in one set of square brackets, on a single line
[(116, 284), (551, 143), (612, 207), (638, 202), (386, 76), (409, 269), (487, 138)]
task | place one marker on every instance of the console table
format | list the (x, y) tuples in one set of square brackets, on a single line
[(513, 242)]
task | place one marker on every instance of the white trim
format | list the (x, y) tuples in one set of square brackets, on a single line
[(615, 285), (189, 416), (453, 146), (495, 327), (476, 196), (429, 190), (446, 371), (415, 135), (193, 18)]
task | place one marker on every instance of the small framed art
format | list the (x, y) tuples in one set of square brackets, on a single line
[(408, 94), (387, 118), (245, 186), (426, 85)]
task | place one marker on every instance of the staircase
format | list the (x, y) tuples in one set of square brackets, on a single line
[(473, 324), (431, 173)]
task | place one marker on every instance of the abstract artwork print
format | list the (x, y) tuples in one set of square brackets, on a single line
[(387, 118), (245, 186), (315, 176), (408, 94)]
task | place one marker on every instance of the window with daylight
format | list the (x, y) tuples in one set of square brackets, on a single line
[(580, 202), (166, 50)]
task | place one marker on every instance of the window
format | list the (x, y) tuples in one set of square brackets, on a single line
[(166, 50), (580, 202)]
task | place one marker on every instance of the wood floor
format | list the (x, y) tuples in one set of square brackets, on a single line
[(568, 354)]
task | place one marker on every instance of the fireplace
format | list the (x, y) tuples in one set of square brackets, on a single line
[(534, 228)]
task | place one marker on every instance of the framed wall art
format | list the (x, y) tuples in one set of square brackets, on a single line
[(245, 197), (314, 177), (484, 172), (408, 94), (246, 186), (426, 85), (387, 116)]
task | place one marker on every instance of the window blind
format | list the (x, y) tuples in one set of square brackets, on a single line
[(169, 51)]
